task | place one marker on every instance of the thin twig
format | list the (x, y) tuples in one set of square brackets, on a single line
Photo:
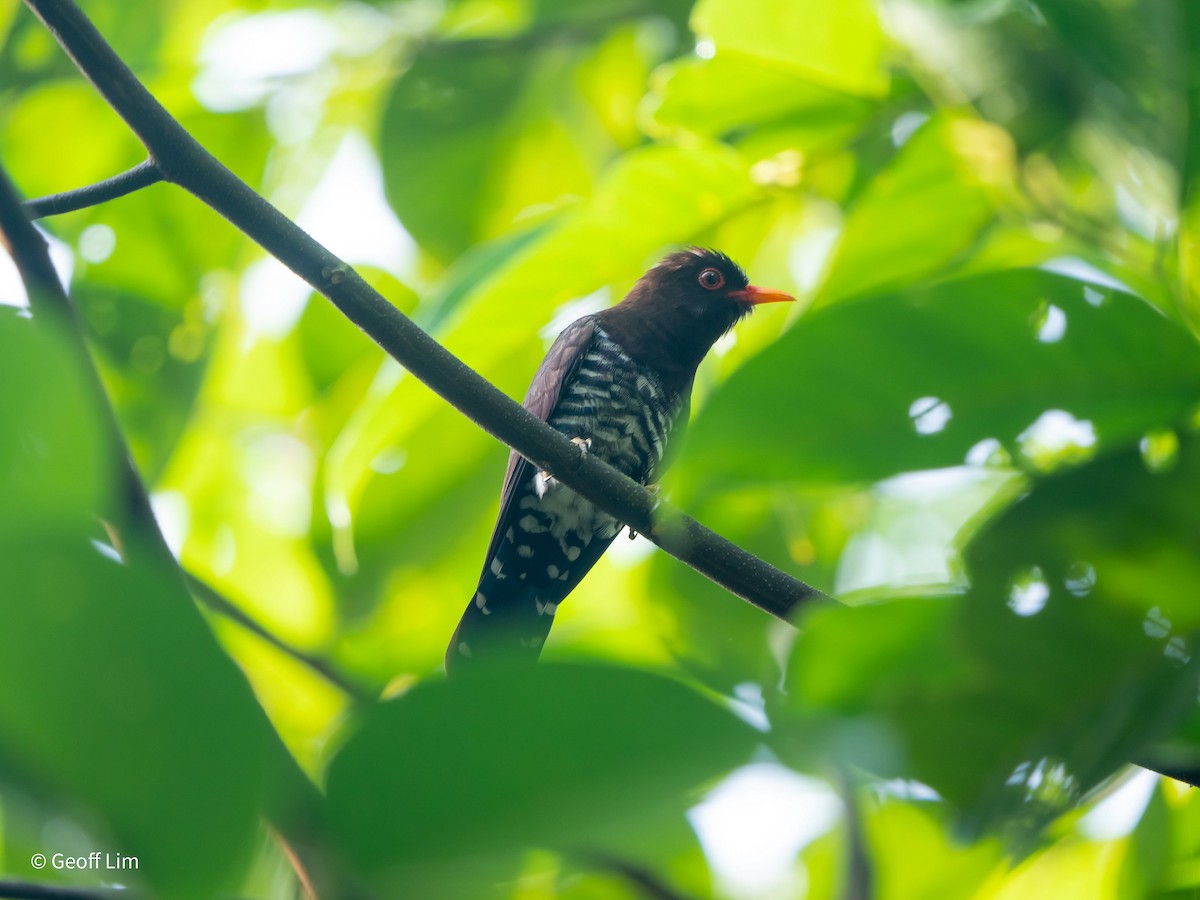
[(142, 175), (183, 161), (219, 603)]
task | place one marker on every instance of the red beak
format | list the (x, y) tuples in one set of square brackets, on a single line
[(756, 295)]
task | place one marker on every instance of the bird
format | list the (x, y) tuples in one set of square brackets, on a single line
[(618, 384)]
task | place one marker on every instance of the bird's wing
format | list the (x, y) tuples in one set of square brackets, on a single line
[(563, 358)]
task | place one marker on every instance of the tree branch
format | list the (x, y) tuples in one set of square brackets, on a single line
[(30, 890), (180, 159), (1161, 766), (142, 175), (222, 605)]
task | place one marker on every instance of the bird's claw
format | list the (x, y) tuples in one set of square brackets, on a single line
[(544, 479)]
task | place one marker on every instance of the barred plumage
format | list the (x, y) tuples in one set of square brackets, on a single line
[(620, 405), (618, 383)]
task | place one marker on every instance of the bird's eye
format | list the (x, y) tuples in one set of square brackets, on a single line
[(711, 279)]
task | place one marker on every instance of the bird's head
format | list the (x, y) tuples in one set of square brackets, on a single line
[(691, 298)]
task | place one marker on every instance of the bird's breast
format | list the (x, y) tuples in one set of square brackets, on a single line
[(620, 406), (549, 535)]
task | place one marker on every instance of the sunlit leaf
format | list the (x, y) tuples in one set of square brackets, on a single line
[(837, 44), (330, 343), (468, 151), (591, 11), (442, 133), (899, 832), (47, 167), (715, 96), (921, 210)]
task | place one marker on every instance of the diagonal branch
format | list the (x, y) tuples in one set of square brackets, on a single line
[(182, 160), (142, 175)]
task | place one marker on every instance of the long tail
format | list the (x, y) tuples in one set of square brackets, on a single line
[(505, 622)]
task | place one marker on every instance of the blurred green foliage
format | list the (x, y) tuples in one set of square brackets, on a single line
[(977, 429)]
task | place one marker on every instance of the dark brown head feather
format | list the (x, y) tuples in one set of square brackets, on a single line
[(670, 320)]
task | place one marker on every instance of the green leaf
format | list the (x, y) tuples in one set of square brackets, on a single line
[(153, 358), (1149, 853), (8, 9), (113, 693), (900, 832), (442, 131), (1134, 92), (863, 390), (469, 273), (1191, 162), (921, 210), (1072, 650), (836, 44), (45, 167), (585, 12), (717, 96), (54, 460), (558, 756), (479, 140), (330, 343)]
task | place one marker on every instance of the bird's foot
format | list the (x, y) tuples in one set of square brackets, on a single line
[(543, 479)]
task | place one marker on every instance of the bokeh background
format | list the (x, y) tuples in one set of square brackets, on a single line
[(976, 428)]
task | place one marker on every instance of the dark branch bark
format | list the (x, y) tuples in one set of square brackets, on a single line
[(1185, 774), (182, 160), (29, 890), (142, 175), (222, 605)]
